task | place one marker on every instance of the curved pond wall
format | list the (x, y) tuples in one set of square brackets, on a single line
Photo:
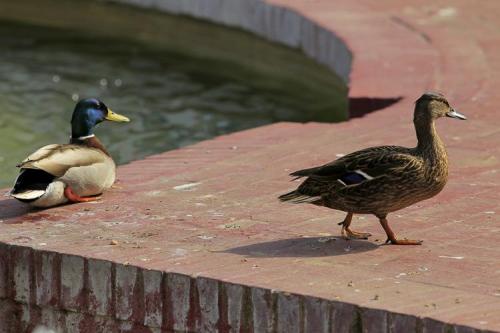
[(275, 63), (275, 23)]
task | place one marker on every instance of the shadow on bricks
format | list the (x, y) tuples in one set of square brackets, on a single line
[(10, 209), (304, 247), (360, 106)]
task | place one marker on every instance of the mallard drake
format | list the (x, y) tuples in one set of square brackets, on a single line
[(381, 180), (74, 172)]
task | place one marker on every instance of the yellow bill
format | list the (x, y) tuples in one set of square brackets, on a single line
[(116, 117)]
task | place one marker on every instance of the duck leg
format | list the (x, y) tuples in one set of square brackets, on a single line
[(73, 197), (391, 238), (347, 233)]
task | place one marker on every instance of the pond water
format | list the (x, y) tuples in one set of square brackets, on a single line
[(170, 99)]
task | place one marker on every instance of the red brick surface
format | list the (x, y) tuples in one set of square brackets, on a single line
[(227, 232)]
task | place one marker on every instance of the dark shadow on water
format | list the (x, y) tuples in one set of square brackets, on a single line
[(304, 247), (359, 106)]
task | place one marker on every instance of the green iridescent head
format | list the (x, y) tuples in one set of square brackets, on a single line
[(88, 113)]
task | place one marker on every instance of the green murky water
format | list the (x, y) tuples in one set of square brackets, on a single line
[(171, 98)]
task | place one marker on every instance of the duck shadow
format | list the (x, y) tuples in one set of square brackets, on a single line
[(11, 210), (304, 247)]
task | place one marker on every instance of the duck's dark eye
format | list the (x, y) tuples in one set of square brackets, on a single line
[(100, 106), (445, 102)]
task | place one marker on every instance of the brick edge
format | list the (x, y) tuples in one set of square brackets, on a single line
[(47, 288)]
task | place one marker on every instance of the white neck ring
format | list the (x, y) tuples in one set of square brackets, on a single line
[(84, 137)]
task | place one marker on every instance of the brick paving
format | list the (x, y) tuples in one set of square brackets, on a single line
[(195, 238)]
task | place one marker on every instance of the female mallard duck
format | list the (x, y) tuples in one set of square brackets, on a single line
[(380, 180), (74, 172)]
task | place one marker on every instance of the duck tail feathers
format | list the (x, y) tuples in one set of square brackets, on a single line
[(297, 198), (304, 173), (27, 195)]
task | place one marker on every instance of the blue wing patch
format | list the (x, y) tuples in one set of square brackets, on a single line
[(354, 177)]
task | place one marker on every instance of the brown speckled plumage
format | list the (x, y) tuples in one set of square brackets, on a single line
[(384, 179)]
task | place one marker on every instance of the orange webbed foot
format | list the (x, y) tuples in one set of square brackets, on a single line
[(351, 234), (391, 238), (73, 197), (403, 242), (347, 233)]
